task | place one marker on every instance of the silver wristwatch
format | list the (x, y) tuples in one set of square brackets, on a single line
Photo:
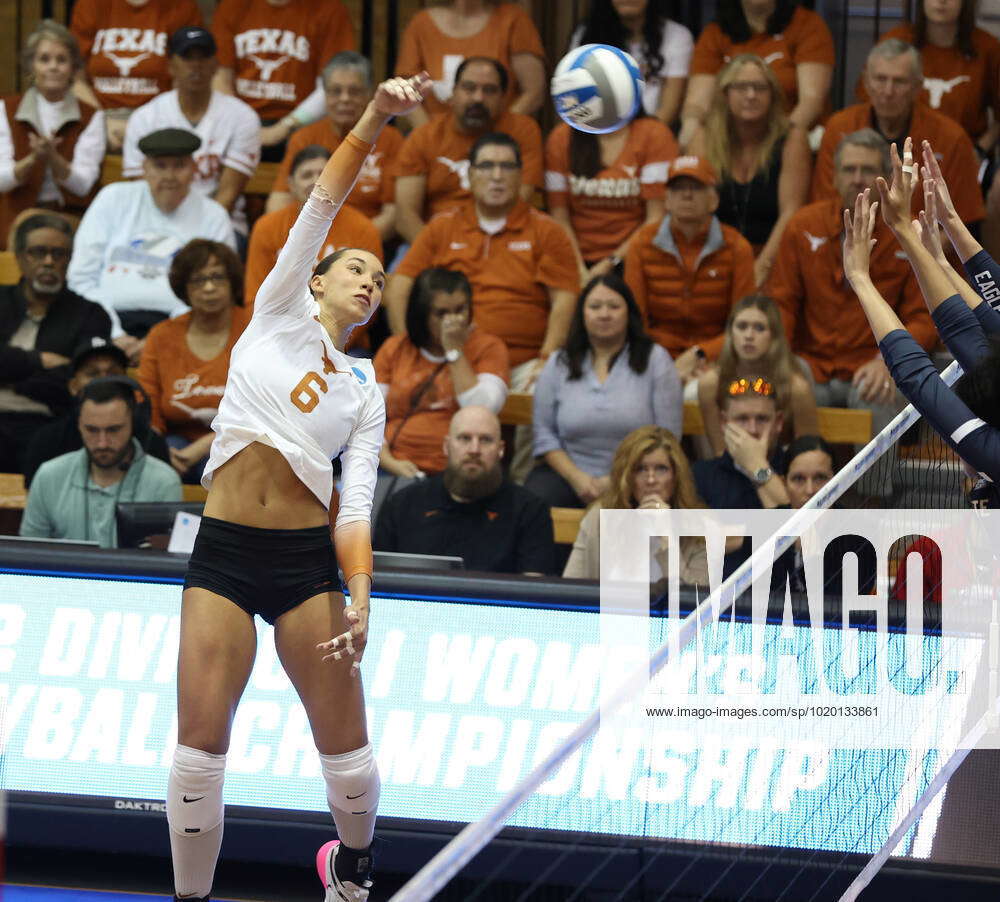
[(452, 355), (761, 476)]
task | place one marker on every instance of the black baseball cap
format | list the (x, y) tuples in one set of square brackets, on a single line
[(188, 38), (95, 347)]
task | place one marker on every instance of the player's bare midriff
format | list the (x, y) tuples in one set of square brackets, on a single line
[(257, 487)]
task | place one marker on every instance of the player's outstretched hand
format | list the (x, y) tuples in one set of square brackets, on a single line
[(396, 96), (350, 643), (897, 198), (927, 224), (858, 240), (945, 205)]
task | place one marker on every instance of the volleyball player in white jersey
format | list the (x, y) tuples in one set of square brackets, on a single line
[(293, 401)]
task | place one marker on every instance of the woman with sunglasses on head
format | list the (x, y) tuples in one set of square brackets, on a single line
[(293, 401)]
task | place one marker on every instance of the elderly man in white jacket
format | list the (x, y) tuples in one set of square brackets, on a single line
[(131, 232)]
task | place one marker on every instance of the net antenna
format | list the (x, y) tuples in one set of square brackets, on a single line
[(447, 863)]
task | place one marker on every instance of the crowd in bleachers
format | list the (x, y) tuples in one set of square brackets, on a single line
[(693, 256)]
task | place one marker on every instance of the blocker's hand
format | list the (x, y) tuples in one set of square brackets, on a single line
[(858, 240), (897, 198), (350, 643), (396, 96)]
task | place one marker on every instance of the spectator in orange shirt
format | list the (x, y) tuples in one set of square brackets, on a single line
[(442, 363), (351, 228), (271, 53), (687, 271), (602, 188), (794, 41), (185, 362), (519, 260), (436, 40), (822, 318), (961, 66), (432, 174), (893, 77), (348, 86)]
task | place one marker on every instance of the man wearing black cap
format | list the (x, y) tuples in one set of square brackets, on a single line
[(131, 232), (228, 128), (92, 359), (41, 322)]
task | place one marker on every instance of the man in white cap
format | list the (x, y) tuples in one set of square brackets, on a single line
[(131, 232)]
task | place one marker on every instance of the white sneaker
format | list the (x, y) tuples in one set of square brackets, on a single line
[(338, 890)]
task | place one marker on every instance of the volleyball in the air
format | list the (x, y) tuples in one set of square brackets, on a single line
[(597, 88)]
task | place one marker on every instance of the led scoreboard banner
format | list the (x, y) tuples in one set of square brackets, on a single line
[(470, 682)]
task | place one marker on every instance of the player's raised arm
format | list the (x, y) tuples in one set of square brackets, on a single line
[(393, 97)]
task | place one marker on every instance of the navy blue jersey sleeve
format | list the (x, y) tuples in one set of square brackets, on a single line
[(989, 319), (983, 274), (976, 442), (960, 331)]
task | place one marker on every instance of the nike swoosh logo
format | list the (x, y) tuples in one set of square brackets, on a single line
[(195, 799), (358, 796)]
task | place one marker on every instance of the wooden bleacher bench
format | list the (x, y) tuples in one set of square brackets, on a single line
[(10, 272), (194, 493), (836, 424), (12, 490), (566, 523), (260, 182)]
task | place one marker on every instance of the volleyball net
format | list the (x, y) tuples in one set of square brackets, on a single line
[(671, 793)]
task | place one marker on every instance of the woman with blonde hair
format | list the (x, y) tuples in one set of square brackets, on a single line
[(51, 144), (650, 471), (763, 161), (755, 343)]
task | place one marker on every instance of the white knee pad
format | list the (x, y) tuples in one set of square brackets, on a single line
[(194, 791), (352, 782)]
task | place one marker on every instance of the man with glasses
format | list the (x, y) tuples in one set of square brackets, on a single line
[(825, 324), (131, 232), (893, 78), (41, 324), (432, 173), (520, 261), (687, 270)]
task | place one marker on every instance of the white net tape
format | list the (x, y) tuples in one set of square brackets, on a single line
[(436, 874)]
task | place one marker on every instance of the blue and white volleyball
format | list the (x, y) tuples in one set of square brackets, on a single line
[(597, 88)]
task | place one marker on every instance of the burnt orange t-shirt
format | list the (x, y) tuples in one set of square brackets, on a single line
[(425, 47), (806, 39), (277, 52), (606, 209), (952, 146), (416, 433), (373, 187), (961, 88), (510, 272), (125, 47), (822, 317), (438, 150), (185, 390)]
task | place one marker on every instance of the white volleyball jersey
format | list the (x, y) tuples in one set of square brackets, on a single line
[(290, 388)]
